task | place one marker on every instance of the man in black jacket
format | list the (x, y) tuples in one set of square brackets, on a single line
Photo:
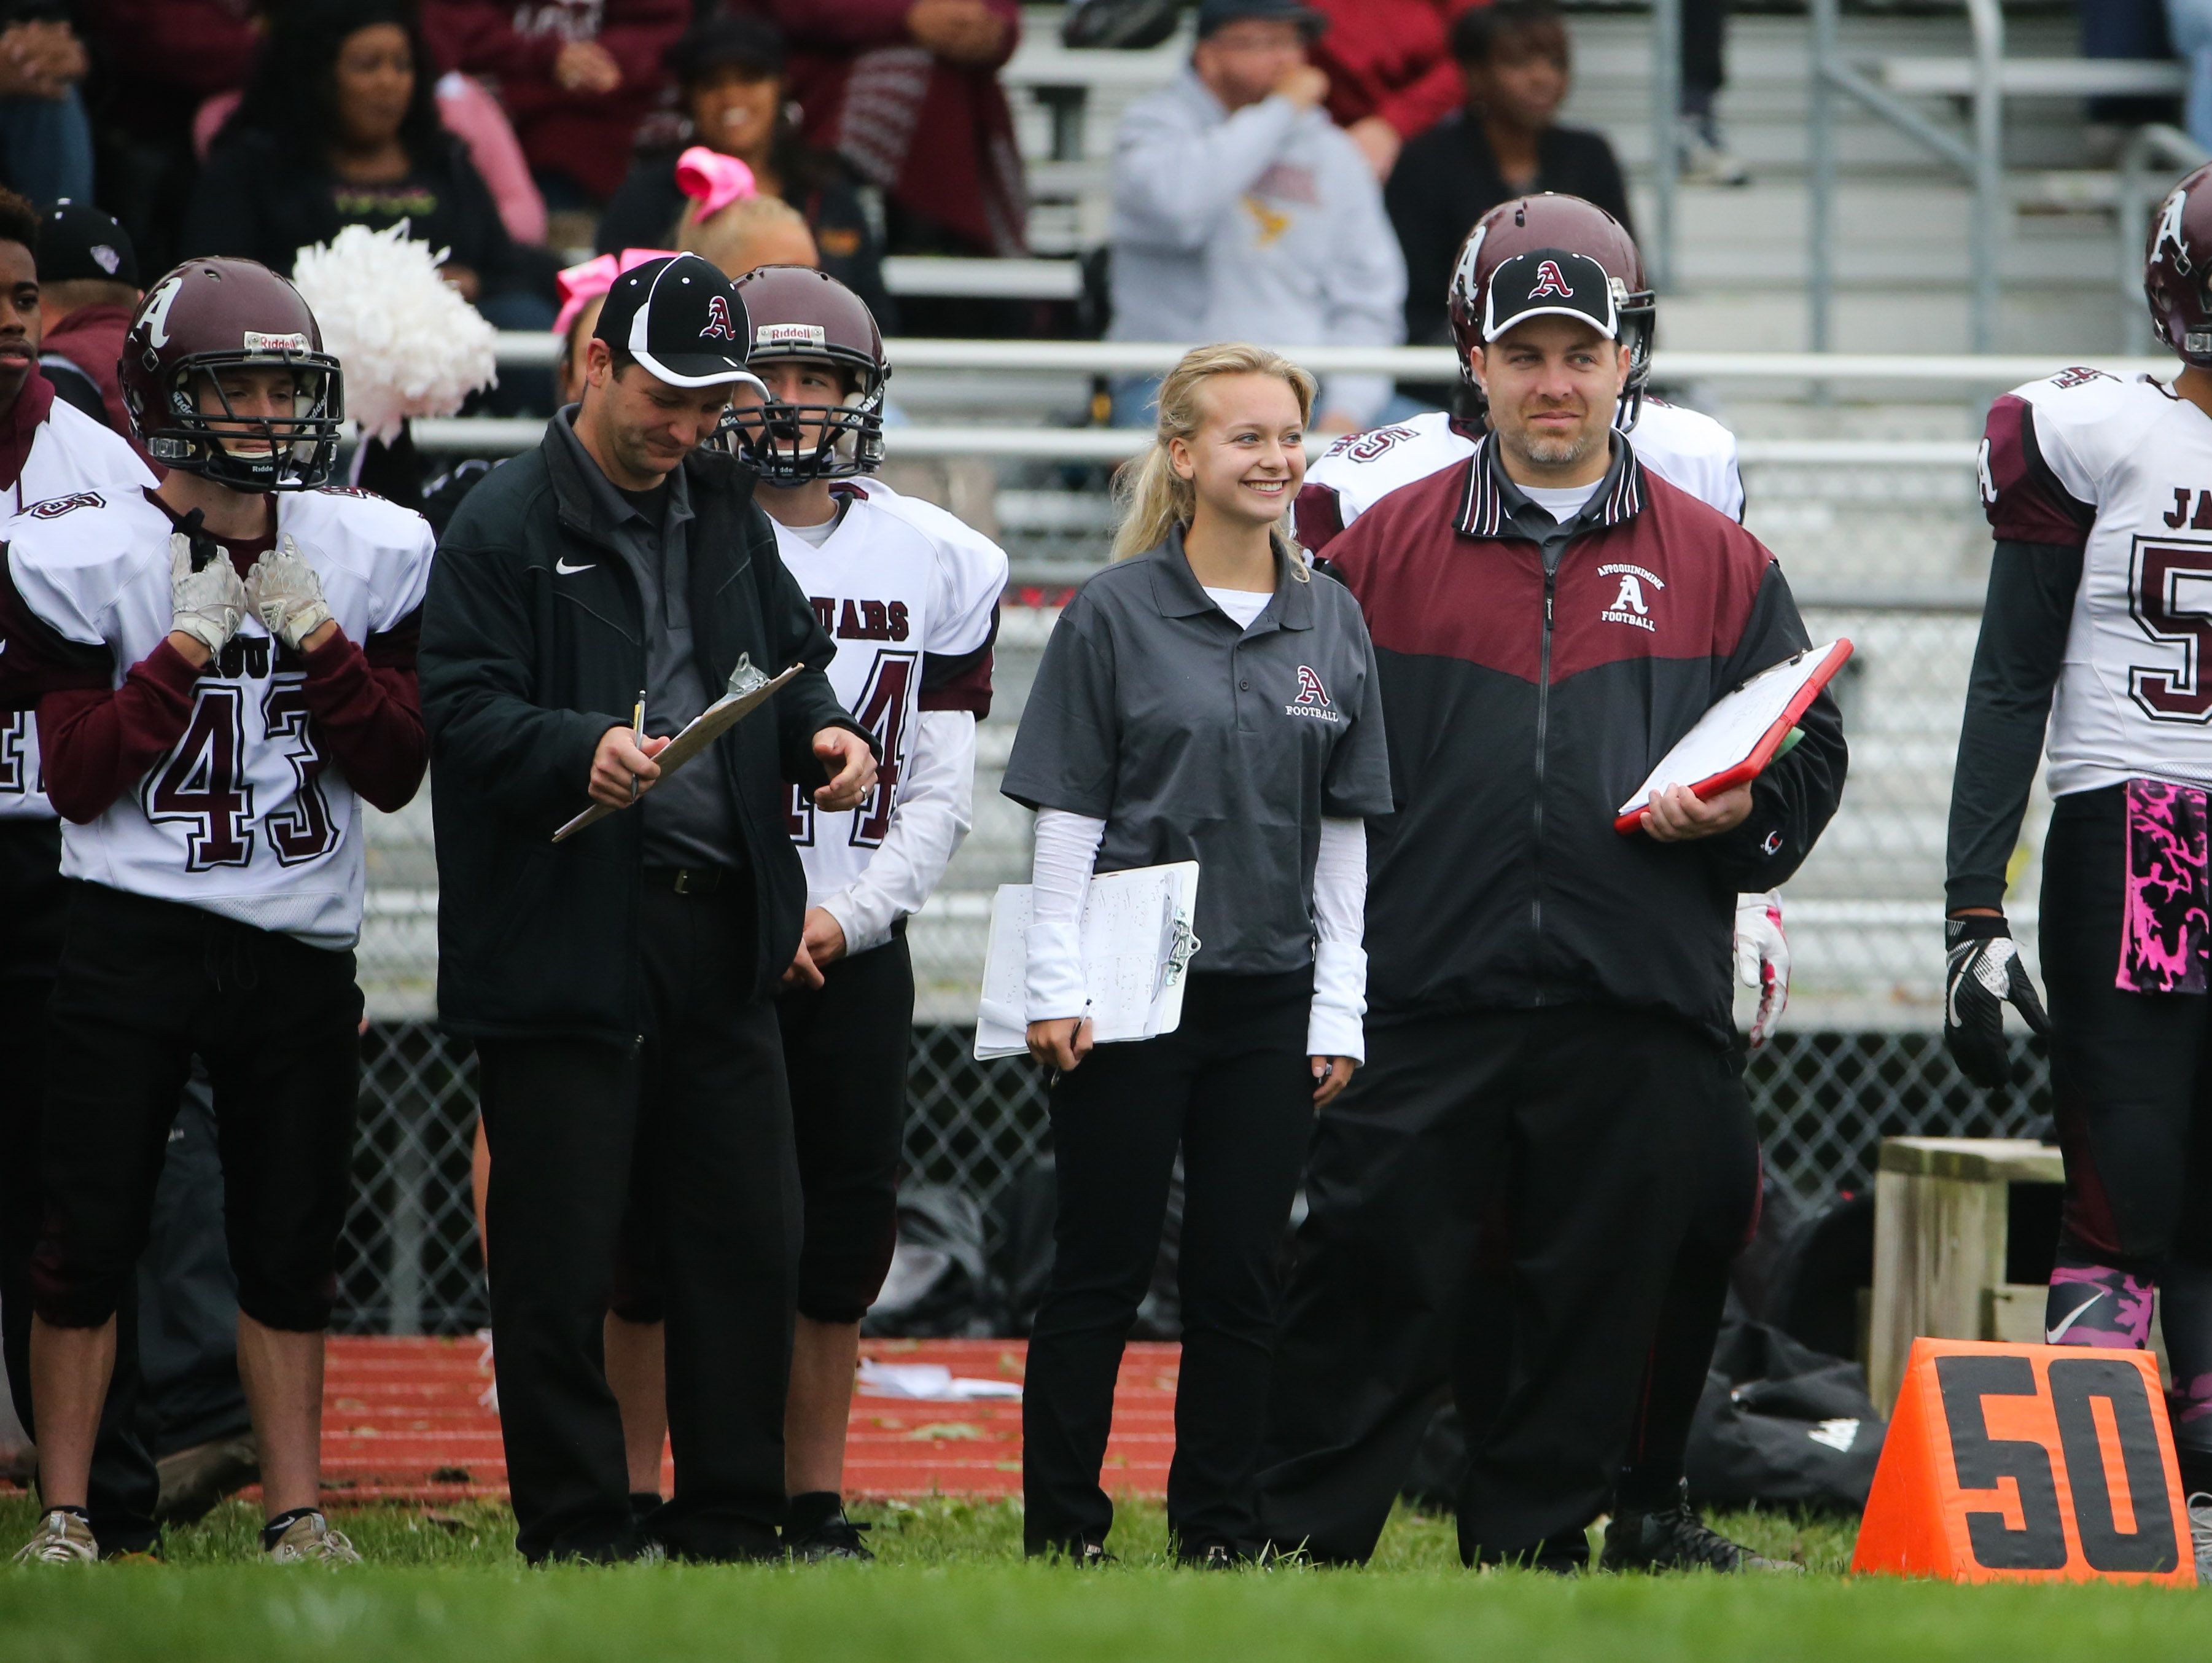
[(1548, 1000), (617, 983)]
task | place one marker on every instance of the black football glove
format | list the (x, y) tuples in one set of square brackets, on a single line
[(1985, 974)]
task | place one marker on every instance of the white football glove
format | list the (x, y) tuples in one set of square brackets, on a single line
[(286, 594), (208, 603), (1762, 959)]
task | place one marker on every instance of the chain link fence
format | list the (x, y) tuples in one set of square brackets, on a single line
[(1894, 561)]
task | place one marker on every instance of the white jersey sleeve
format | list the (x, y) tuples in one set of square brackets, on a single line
[(1359, 469), (1691, 452), (971, 573)]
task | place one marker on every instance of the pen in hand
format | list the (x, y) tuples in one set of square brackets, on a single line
[(637, 737)]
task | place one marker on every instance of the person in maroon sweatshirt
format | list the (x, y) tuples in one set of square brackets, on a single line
[(87, 287), (577, 77)]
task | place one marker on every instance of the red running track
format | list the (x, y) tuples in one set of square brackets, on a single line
[(407, 1420)]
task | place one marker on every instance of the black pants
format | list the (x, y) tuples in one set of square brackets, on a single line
[(187, 1296), (1726, 1170), (846, 1045), (689, 1138), (1231, 1088), (144, 985), (1576, 1123), (2132, 1087)]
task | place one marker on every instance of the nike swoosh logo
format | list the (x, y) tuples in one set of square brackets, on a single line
[(568, 571), (2072, 1317)]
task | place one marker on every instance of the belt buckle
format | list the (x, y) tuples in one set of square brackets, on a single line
[(682, 880)]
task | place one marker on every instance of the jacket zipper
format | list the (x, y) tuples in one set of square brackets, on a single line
[(1543, 722)]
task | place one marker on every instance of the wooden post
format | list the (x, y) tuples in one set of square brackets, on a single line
[(1940, 1237)]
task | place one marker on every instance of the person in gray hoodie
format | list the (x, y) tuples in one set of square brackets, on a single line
[(1241, 211)]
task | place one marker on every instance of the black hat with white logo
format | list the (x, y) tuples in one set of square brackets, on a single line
[(76, 241), (681, 318), (1550, 283)]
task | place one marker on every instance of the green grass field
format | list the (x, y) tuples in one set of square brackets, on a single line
[(951, 1585)]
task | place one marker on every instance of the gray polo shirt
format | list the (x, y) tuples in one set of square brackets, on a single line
[(1196, 740), (689, 820)]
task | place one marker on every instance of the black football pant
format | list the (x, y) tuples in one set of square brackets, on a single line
[(1580, 1125), (144, 986), (1231, 1088), (689, 1135), (2131, 1089), (846, 1045)]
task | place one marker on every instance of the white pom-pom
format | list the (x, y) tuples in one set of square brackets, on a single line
[(408, 342)]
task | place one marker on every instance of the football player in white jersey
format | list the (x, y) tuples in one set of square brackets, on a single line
[(2097, 621), (48, 448), (223, 668), (910, 595), (1697, 454)]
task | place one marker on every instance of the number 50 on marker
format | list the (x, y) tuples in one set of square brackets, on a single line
[(2027, 1462)]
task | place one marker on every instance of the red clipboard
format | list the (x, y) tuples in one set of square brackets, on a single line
[(1788, 691)]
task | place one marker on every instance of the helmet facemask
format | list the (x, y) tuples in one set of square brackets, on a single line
[(251, 453), (790, 443)]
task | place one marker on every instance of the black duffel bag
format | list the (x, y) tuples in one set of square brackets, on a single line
[(1781, 1423), (940, 1286)]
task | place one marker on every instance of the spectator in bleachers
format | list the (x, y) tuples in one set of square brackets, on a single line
[(87, 289), (338, 128), (1706, 158), (2189, 23), (1241, 210), (1391, 72), (159, 62), (936, 136), (577, 77), (44, 140), (467, 110), (729, 83), (1504, 143)]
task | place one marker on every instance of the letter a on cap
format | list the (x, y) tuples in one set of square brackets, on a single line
[(1550, 281), (718, 320), (2027, 1463)]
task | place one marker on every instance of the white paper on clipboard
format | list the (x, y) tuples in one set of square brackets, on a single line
[(1728, 736), (749, 690), (1136, 949)]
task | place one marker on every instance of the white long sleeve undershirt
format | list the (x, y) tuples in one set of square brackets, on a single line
[(1060, 877)]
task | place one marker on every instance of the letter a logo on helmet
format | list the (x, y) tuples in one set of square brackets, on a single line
[(1550, 281), (718, 320)]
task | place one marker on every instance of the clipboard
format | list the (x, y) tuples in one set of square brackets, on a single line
[(1735, 740), (1136, 949), (749, 690)]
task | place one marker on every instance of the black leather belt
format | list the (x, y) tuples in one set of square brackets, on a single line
[(688, 880)]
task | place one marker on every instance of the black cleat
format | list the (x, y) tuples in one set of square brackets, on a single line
[(1676, 1539), (834, 1538), (1217, 1557)]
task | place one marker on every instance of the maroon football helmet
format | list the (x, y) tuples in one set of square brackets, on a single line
[(1559, 224), (215, 315), (2178, 269), (796, 311)]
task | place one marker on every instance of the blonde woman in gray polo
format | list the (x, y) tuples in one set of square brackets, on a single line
[(1203, 699)]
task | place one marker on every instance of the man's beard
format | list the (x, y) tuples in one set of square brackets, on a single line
[(1551, 453)]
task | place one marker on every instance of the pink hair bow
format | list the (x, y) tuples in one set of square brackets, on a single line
[(712, 179), (580, 285)]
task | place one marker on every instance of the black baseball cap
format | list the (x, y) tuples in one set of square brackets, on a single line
[(681, 318), (724, 40), (76, 240), (1550, 283), (1219, 14)]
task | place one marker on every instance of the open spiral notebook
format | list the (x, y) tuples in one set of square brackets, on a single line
[(1136, 949)]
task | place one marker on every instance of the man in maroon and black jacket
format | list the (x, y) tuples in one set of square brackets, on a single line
[(1549, 1000)]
